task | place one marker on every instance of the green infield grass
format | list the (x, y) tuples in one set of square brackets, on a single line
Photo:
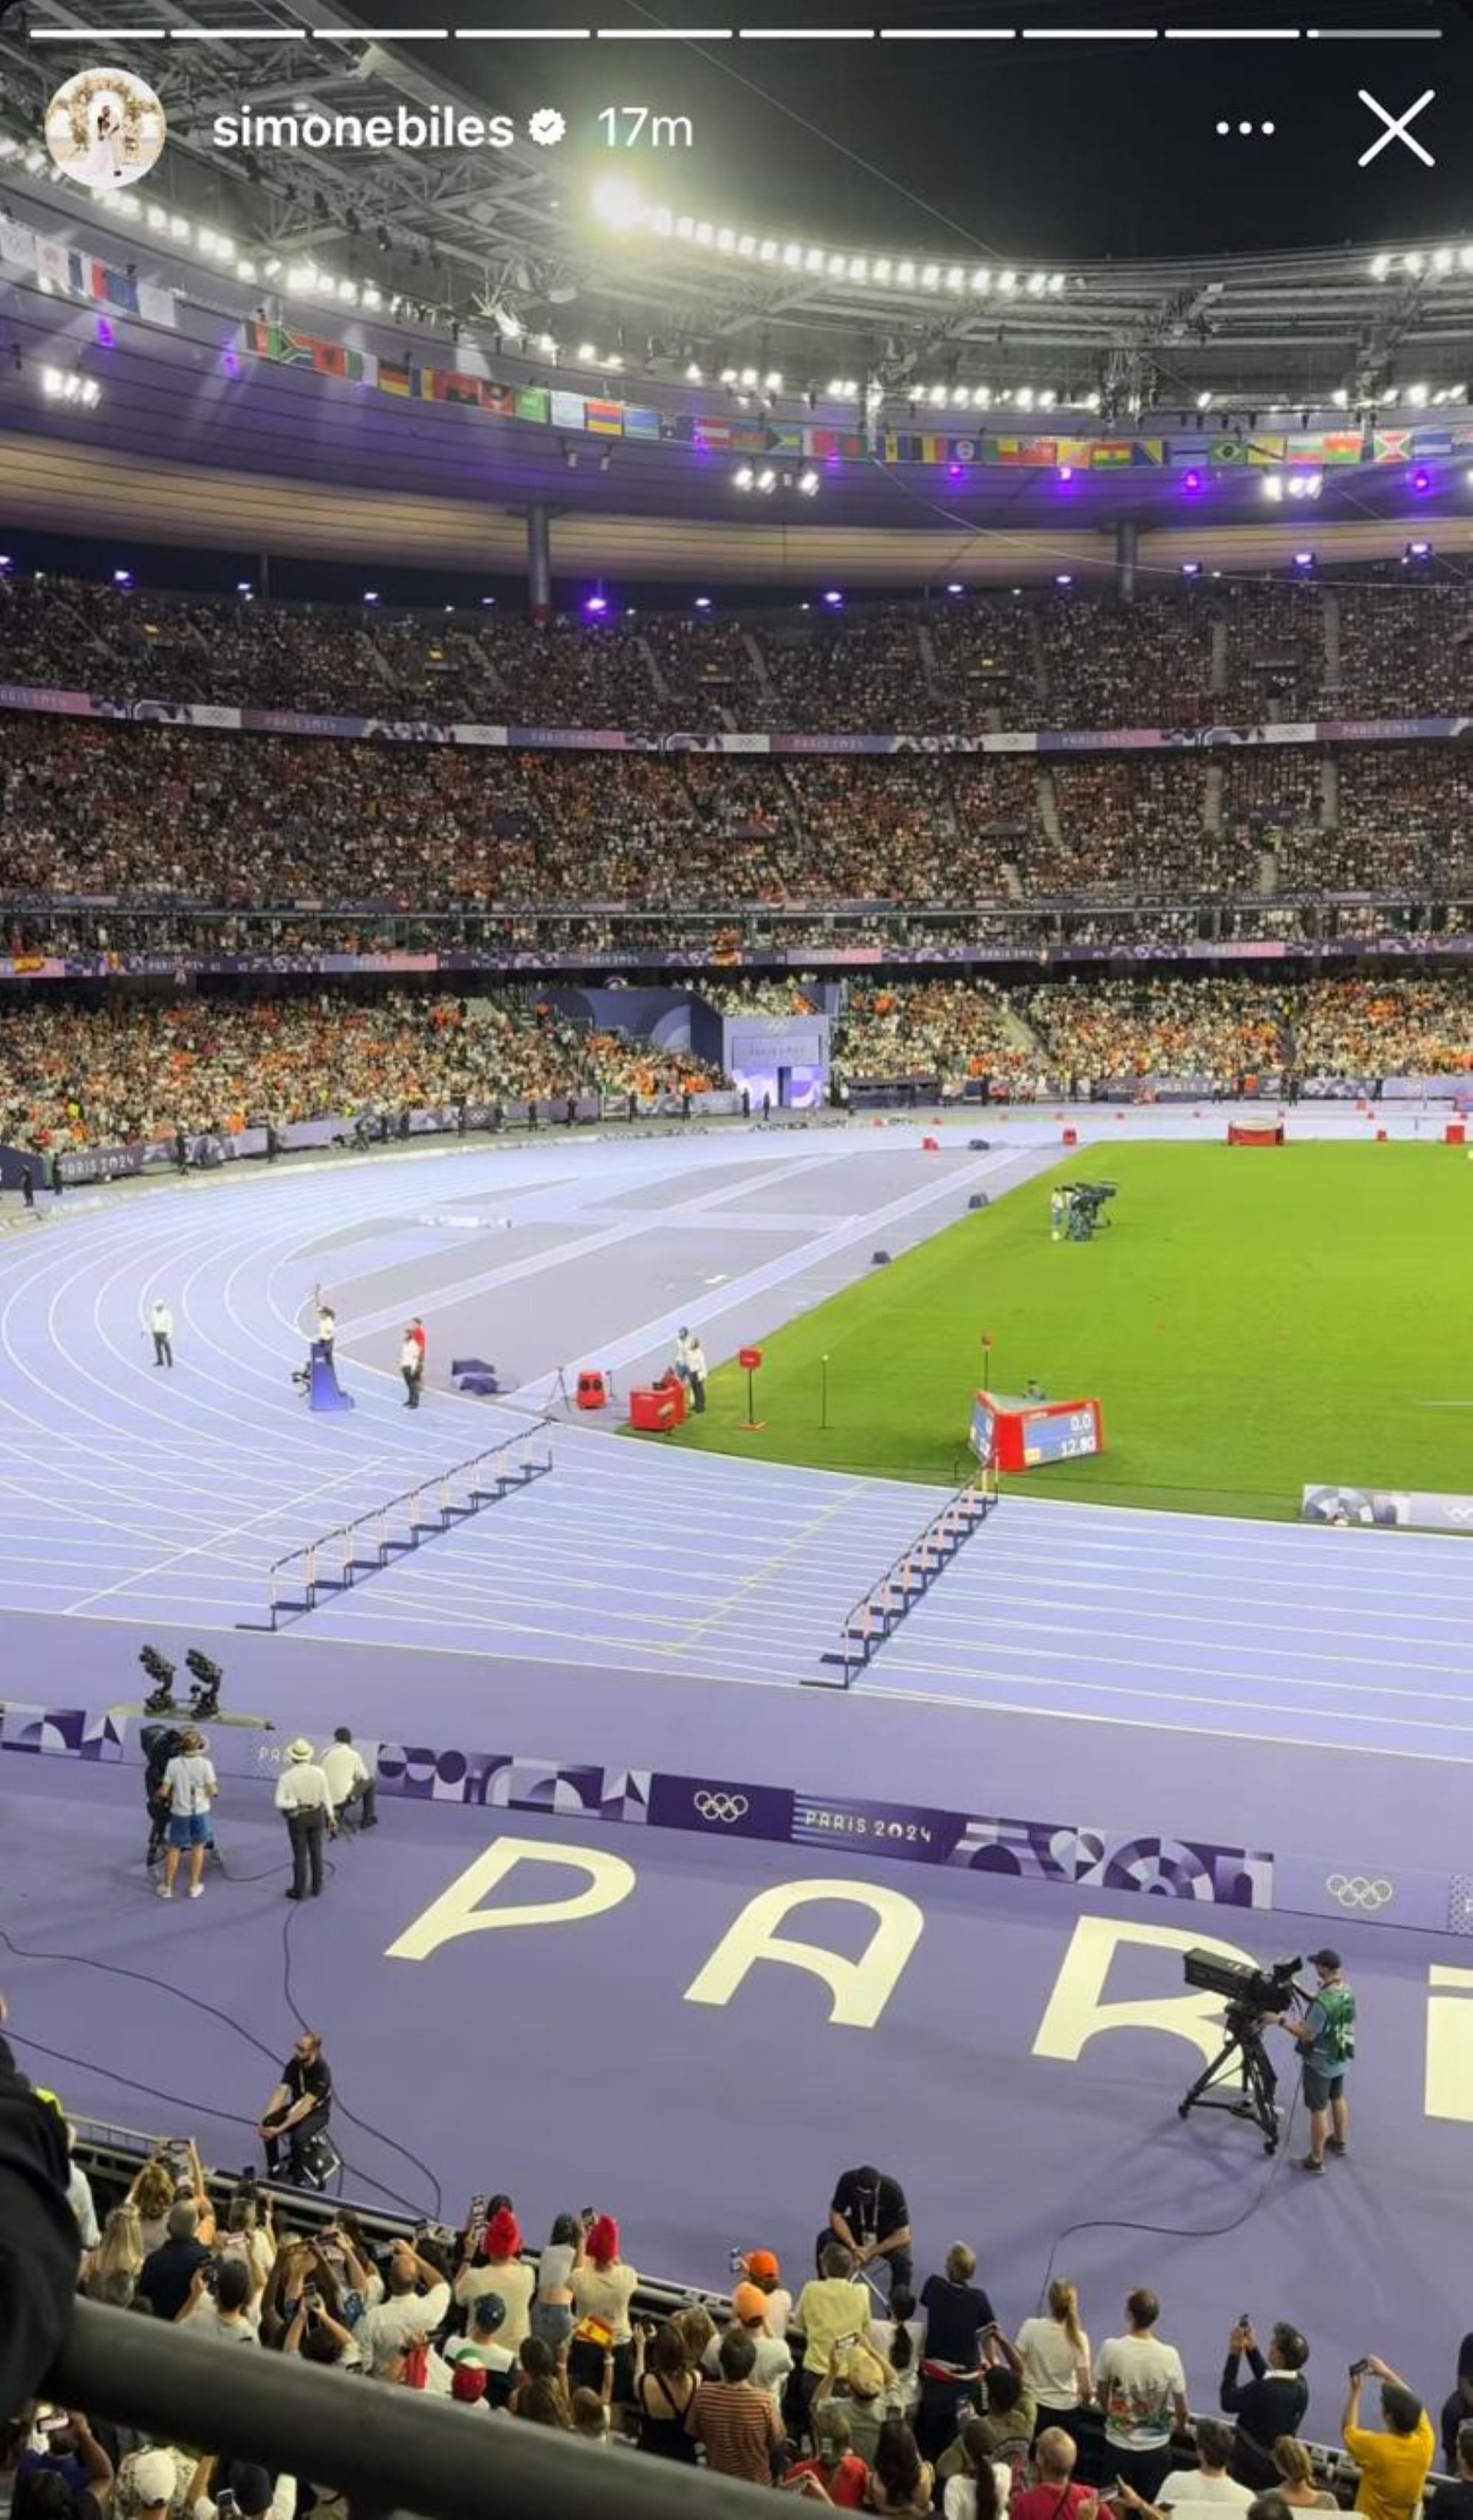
[(1251, 1319)]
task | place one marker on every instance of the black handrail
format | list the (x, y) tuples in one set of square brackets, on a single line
[(388, 2448)]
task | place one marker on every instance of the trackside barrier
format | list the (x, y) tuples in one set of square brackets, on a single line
[(880, 1610), (337, 1560)]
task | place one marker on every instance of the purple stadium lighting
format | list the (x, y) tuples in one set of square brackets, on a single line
[(596, 604), (956, 471), (954, 585), (1191, 568), (1191, 483), (230, 362), (1066, 472), (106, 335), (122, 577), (1063, 578), (243, 586), (832, 596), (703, 604), (1304, 560), (369, 596), (1421, 483), (1417, 551)]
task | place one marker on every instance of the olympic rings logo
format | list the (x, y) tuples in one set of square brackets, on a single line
[(1352, 1890), (721, 1807)]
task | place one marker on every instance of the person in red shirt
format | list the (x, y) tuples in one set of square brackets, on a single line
[(1055, 2497), (417, 1333), (833, 2471)]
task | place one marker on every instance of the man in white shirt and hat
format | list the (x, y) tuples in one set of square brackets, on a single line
[(305, 1799), (162, 1323), (350, 1782)]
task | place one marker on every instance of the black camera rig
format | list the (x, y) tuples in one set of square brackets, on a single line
[(1241, 2078)]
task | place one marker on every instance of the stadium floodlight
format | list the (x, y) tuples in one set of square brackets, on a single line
[(547, 346), (813, 260), (1056, 280), (244, 271), (587, 355), (684, 227), (956, 277), (1047, 399), (930, 275), (157, 219), (1273, 488), (836, 266), (1092, 399), (1024, 397), (1036, 283), (705, 231), (981, 279), (51, 382), (1416, 393), (91, 391), (728, 375), (703, 604), (1063, 577), (905, 275), (832, 596), (954, 586), (370, 595), (981, 396), (748, 378), (936, 394), (882, 270), (1442, 259), (1204, 398), (742, 478), (1340, 398), (859, 267), (808, 482), (348, 291), (1066, 472), (692, 373), (1417, 551), (1388, 396), (1008, 282), (179, 228), (793, 257), (1380, 266), (1191, 568), (767, 479), (726, 240), (747, 246), (772, 382), (1304, 560), (1412, 262)]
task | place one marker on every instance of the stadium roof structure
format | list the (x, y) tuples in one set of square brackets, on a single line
[(498, 261)]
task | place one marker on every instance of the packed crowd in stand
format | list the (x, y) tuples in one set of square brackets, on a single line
[(871, 2378), (89, 1076), (75, 1076), (155, 815), (1204, 652)]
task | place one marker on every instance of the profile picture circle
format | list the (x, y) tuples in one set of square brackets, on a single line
[(105, 129)]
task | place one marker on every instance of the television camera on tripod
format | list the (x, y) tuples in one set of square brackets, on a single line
[(1241, 2078)]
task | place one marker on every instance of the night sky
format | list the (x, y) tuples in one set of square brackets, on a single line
[(1043, 151)]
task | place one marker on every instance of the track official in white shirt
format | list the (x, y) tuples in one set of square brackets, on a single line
[(353, 1789), (304, 1797), (162, 1323)]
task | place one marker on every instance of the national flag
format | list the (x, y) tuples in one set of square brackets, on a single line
[(713, 433), (1111, 453), (445, 385), (605, 418), (638, 422), (396, 379), (532, 402), (115, 288), (566, 409), (1391, 446)]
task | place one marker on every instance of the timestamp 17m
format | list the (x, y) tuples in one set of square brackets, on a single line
[(634, 126)]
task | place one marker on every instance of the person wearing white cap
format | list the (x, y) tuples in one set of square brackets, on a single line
[(305, 1799)]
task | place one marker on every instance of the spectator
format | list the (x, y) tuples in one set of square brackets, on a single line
[(899, 2341), (1054, 2496), (603, 2288), (836, 2473), (222, 2302), (1142, 2386), (830, 2311), (1295, 2469), (169, 2273), (901, 2481), (860, 2381), (118, 2256), (662, 2397), (1453, 2498), (1457, 2409), (1194, 2490), (774, 2362), (152, 2192), (502, 2273), (1271, 2402), (736, 2423), (417, 2304), (484, 2348), (255, 2497), (551, 2315), (1053, 2354), (958, 2313), (975, 2487), (763, 2267), (1394, 2464)]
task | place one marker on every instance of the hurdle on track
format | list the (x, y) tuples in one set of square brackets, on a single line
[(334, 1561), (885, 1603)]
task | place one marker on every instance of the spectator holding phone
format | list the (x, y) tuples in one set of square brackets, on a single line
[(836, 2473), (551, 2315), (1394, 2465), (502, 2272), (603, 2288), (246, 2492), (222, 2303)]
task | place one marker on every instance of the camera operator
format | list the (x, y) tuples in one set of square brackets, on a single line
[(1270, 2404), (1394, 2464), (1327, 2038)]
